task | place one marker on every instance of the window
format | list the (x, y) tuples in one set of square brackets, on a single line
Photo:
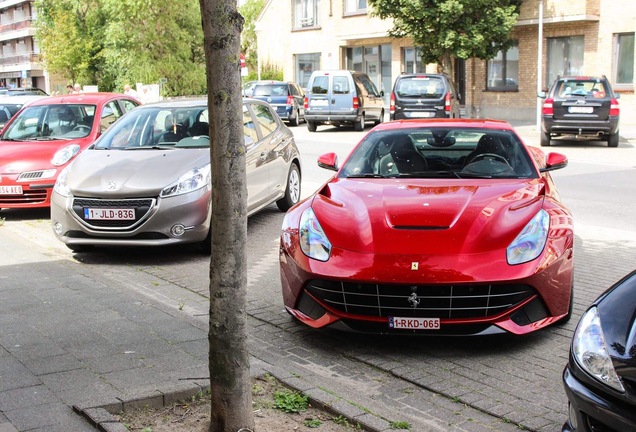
[(305, 65), (306, 13), (355, 6), (503, 70), (249, 128), (624, 60), (565, 57), (412, 61)]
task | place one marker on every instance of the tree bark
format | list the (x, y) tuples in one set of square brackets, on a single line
[(229, 357)]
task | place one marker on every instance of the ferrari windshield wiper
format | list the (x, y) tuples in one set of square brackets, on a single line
[(365, 175)]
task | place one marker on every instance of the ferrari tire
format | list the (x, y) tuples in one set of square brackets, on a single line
[(311, 126), (613, 139), (545, 139), (292, 190), (359, 124)]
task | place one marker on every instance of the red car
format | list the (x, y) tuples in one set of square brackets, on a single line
[(449, 226), (43, 137)]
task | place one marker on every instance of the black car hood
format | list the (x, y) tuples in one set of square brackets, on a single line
[(617, 312)]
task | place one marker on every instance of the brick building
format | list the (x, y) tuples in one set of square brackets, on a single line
[(579, 37)]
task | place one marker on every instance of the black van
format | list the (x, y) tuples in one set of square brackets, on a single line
[(424, 96), (340, 97)]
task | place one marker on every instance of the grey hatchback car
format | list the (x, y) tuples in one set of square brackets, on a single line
[(424, 96), (146, 181)]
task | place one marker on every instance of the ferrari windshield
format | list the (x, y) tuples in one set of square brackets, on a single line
[(440, 153), (152, 127), (51, 122)]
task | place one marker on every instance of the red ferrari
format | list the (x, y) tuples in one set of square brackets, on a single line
[(450, 226), (43, 137)]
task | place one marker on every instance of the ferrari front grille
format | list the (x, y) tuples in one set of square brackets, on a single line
[(141, 206), (426, 301)]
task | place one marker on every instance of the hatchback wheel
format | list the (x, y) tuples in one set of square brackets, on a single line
[(545, 140), (612, 141), (79, 248), (311, 126), (292, 190), (293, 121), (381, 119)]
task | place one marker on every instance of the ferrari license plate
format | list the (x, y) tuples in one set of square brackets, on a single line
[(10, 190), (414, 323), (109, 213)]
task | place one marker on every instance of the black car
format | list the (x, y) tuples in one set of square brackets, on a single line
[(424, 96), (600, 377), (580, 107), (287, 98)]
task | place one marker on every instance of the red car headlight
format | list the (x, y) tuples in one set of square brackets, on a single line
[(313, 241)]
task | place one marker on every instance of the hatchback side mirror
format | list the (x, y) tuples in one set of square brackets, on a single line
[(541, 95)]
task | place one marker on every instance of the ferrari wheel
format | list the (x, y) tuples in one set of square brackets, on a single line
[(292, 191)]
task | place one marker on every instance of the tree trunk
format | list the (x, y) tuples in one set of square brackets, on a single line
[(229, 357)]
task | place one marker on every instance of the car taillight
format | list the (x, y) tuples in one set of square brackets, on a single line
[(614, 108), (548, 107), (447, 102), (290, 100), (356, 103), (392, 104), (306, 102)]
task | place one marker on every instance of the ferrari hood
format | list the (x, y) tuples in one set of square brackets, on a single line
[(17, 157), (421, 216), (131, 173)]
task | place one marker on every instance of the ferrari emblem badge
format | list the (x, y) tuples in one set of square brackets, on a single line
[(414, 266)]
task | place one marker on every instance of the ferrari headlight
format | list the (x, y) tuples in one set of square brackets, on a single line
[(531, 241), (61, 187), (590, 351), (313, 241), (189, 182), (64, 155)]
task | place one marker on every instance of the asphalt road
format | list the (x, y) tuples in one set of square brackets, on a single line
[(513, 381)]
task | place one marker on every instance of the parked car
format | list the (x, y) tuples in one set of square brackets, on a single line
[(287, 98), (581, 108), (45, 136), (147, 181), (10, 105), (247, 88), (599, 376), (436, 226), (23, 91), (424, 96), (342, 97)]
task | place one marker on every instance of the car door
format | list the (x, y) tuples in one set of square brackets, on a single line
[(372, 99), (256, 169), (342, 92)]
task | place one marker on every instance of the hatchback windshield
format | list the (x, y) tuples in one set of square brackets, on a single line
[(440, 152), (51, 122), (152, 127), (270, 90), (421, 87)]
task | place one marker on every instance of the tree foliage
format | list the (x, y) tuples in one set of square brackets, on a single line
[(451, 28), (113, 42), (250, 10)]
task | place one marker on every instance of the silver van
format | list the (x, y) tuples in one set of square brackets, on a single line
[(342, 97)]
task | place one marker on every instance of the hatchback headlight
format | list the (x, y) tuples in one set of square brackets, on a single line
[(189, 182), (61, 187), (64, 155), (313, 241), (590, 351), (530, 241)]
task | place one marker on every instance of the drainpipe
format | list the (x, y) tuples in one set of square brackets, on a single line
[(539, 63)]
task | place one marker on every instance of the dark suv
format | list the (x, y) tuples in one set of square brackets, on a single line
[(423, 96), (580, 107), (287, 98)]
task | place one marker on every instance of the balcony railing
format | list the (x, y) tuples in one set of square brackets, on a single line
[(12, 59), (16, 25)]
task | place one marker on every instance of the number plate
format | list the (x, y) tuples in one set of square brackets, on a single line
[(10, 190), (414, 323), (424, 114), (319, 102), (109, 213), (581, 110)]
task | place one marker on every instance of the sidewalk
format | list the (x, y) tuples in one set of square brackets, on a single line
[(78, 345)]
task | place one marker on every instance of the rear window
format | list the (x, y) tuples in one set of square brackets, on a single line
[(421, 87), (320, 85), (270, 90), (587, 88)]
